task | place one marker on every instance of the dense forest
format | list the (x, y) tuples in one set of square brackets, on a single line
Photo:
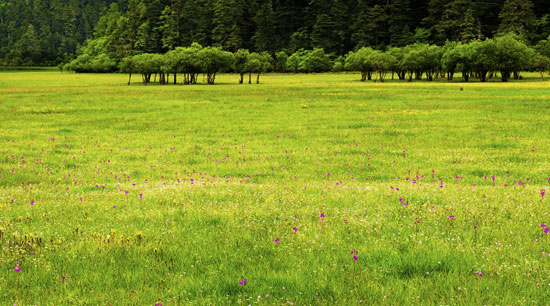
[(49, 32)]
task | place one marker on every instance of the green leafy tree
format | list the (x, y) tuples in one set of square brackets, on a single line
[(317, 61), (543, 47), (214, 60), (127, 65), (257, 63), (512, 55), (397, 67), (357, 61), (382, 62), (240, 63), (339, 64), (542, 64), (280, 61), (484, 59)]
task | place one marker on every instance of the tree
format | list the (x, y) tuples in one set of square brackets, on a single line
[(127, 66), (146, 64), (323, 36), (265, 36), (517, 16), (484, 59), (191, 62), (461, 59), (280, 61), (338, 64), (397, 67), (240, 63), (370, 26), (214, 60), (458, 22), (400, 23), (317, 61), (542, 64), (357, 61), (381, 62), (450, 60), (257, 63), (543, 47), (169, 28), (511, 55), (430, 59), (227, 31), (412, 61)]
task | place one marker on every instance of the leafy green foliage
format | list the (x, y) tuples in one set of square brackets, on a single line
[(309, 61)]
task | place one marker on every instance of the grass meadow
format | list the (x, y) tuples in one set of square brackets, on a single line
[(302, 190)]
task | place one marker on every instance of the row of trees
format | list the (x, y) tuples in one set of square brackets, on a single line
[(189, 62), (505, 54), (50, 31)]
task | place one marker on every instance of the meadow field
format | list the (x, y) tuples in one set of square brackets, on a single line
[(302, 190)]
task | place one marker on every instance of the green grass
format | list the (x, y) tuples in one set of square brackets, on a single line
[(224, 170)]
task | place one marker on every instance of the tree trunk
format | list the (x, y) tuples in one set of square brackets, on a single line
[(175, 78), (505, 76), (242, 77), (466, 76), (483, 76), (250, 78), (363, 76), (258, 78), (130, 78), (401, 75)]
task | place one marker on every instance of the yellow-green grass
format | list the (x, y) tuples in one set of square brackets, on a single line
[(312, 161)]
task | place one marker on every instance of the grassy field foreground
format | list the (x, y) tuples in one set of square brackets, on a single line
[(305, 189)]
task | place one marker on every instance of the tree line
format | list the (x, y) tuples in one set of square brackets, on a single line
[(46, 32), (507, 55)]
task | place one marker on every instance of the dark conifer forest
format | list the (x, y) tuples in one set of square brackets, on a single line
[(49, 32)]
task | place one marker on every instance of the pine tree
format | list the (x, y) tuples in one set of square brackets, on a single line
[(227, 32), (266, 37), (400, 23), (458, 22), (370, 26), (517, 16)]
